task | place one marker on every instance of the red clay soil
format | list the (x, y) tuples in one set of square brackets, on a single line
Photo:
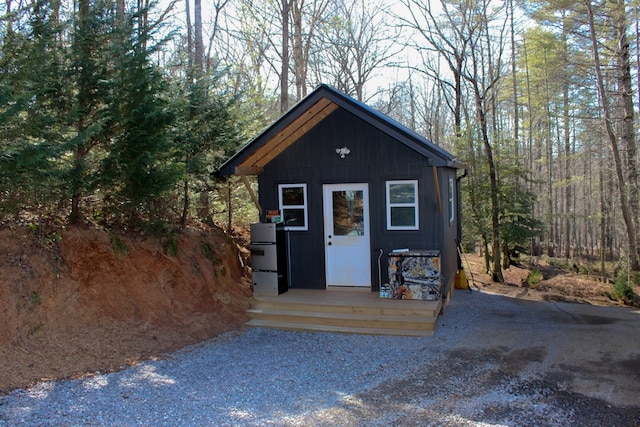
[(81, 300)]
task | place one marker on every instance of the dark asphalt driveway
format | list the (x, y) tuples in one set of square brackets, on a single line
[(591, 350)]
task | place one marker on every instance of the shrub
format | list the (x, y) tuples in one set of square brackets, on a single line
[(624, 292), (534, 277)]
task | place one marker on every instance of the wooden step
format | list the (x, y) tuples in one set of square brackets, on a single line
[(383, 307), (344, 311), (257, 323), (342, 319)]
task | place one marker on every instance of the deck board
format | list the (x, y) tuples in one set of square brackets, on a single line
[(344, 310)]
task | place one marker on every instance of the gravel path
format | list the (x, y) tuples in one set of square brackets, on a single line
[(493, 361)]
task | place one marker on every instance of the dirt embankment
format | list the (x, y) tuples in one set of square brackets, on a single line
[(80, 299)]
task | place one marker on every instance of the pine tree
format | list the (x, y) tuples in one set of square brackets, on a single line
[(207, 134), (88, 112), (33, 100), (138, 169)]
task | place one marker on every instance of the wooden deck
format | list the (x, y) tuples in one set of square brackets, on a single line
[(347, 311)]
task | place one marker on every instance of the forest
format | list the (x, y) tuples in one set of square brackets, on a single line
[(119, 112)]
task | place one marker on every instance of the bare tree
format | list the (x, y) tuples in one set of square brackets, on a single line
[(284, 74), (459, 34), (514, 81), (9, 25), (198, 39), (218, 7), (445, 41), (624, 80), (355, 41), (483, 80), (306, 16)]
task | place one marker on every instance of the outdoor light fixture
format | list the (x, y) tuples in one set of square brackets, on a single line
[(343, 152)]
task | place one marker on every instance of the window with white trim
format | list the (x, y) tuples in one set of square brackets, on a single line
[(452, 204), (402, 205), (293, 206)]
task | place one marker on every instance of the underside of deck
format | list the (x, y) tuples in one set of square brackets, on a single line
[(345, 310)]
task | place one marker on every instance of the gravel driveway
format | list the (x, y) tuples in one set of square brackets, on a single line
[(493, 361)]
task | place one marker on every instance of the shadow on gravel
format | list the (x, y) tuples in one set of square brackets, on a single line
[(472, 387)]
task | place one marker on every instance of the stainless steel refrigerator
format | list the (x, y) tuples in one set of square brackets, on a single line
[(269, 259)]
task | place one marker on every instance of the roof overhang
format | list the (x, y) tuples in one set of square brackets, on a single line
[(307, 113), (279, 138), (279, 142)]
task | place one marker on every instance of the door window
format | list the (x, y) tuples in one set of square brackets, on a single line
[(348, 213)]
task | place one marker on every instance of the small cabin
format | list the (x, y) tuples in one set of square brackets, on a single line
[(361, 201)]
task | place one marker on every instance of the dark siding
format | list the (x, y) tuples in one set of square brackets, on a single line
[(449, 229), (375, 158)]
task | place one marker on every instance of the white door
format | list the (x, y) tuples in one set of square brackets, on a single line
[(346, 235)]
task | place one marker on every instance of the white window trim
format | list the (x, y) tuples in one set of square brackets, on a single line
[(304, 207), (452, 204), (414, 205)]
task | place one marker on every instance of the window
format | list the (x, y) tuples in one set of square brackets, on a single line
[(452, 205), (293, 205), (402, 205)]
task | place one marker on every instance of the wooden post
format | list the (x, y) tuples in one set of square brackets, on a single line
[(251, 193)]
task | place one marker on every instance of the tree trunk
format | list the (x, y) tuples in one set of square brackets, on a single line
[(8, 15), (457, 109), (298, 48), (143, 22), (529, 137), (187, 9), (185, 204), (204, 204), (550, 192), (218, 6), (567, 172), (514, 82), (628, 137), (603, 217), (284, 75), (198, 40), (495, 210), (487, 253), (84, 99), (624, 202), (566, 233), (493, 182), (120, 10)]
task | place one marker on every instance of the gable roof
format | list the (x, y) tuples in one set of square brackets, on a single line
[(310, 111)]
